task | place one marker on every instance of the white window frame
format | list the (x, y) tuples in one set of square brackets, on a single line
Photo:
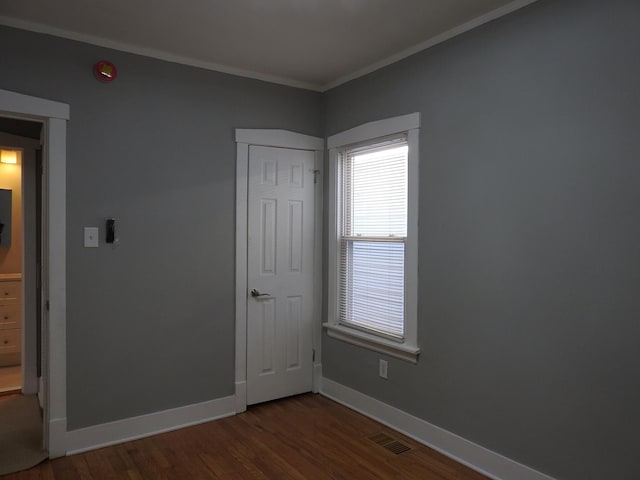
[(371, 132)]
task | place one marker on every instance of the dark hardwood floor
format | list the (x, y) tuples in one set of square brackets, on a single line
[(303, 437)]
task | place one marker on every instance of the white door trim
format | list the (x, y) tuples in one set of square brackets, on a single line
[(281, 139), (54, 116)]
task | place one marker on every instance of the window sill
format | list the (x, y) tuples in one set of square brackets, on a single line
[(393, 349)]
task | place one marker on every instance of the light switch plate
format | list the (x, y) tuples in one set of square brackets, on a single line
[(91, 237), (383, 369)]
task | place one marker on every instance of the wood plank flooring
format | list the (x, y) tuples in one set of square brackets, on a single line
[(10, 378), (303, 437)]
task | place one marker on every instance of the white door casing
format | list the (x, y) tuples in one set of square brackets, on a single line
[(291, 303), (54, 116), (279, 273)]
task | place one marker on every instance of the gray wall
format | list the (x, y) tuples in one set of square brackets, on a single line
[(529, 308), (529, 236), (151, 321)]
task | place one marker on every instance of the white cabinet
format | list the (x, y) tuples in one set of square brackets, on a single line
[(10, 321)]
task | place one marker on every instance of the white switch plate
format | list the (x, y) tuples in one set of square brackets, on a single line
[(91, 237), (383, 368)]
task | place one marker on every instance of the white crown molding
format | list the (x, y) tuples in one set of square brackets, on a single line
[(443, 37), (120, 431), (153, 53), (184, 60), (474, 456)]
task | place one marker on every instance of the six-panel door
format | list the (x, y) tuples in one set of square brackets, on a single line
[(280, 273)]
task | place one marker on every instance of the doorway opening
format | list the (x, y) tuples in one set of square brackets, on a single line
[(278, 235), (20, 295), (53, 117), (20, 244)]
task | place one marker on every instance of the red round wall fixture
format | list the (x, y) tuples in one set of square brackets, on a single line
[(105, 71)]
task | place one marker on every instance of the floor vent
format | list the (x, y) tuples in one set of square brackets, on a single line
[(391, 444)]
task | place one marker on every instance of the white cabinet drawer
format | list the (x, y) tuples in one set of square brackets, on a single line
[(10, 292), (10, 316), (10, 341)]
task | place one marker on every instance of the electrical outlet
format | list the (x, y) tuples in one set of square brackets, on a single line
[(383, 368)]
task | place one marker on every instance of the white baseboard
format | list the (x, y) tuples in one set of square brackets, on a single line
[(57, 437), (464, 451), (120, 431)]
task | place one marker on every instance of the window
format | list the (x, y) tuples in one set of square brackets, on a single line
[(372, 183), (373, 259)]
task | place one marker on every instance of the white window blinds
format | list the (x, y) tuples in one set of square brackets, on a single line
[(372, 235)]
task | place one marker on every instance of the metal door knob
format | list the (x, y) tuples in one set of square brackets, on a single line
[(255, 293)]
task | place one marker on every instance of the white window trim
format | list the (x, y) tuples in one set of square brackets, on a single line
[(407, 350)]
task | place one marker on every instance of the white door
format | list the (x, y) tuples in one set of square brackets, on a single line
[(279, 273)]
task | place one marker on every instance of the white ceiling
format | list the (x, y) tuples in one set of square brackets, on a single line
[(314, 44)]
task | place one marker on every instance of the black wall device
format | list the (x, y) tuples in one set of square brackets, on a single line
[(111, 230)]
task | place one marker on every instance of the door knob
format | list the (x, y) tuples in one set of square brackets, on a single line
[(255, 293)]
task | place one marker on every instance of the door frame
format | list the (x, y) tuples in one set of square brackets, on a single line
[(54, 117), (279, 139)]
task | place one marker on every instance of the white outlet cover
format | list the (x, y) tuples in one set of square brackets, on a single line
[(91, 237)]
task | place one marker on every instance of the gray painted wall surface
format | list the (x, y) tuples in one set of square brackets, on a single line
[(529, 254), (151, 321), (529, 309)]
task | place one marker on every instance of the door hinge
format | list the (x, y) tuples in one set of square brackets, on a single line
[(315, 176), (313, 356), (46, 305)]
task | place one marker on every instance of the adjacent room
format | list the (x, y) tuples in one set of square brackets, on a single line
[(321, 239)]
